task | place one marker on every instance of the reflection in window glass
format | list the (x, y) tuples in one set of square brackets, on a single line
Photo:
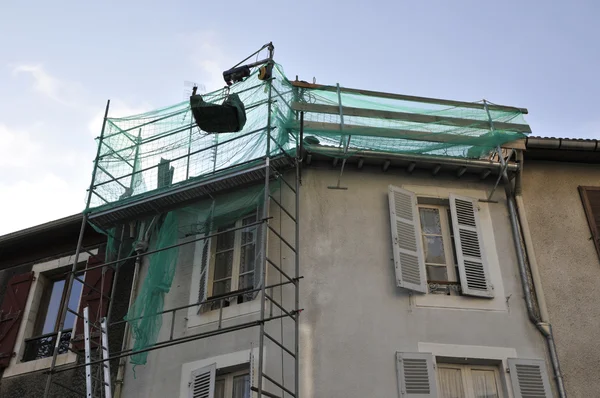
[(241, 386)]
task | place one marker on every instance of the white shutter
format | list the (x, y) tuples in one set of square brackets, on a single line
[(204, 264), (529, 378), (407, 242), (202, 382), (416, 375), (468, 238)]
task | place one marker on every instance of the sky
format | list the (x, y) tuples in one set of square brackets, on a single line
[(61, 61)]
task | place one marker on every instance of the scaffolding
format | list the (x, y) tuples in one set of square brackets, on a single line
[(154, 166), (208, 165)]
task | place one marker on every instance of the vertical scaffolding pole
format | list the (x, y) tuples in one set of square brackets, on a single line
[(297, 275), (67, 291), (265, 231)]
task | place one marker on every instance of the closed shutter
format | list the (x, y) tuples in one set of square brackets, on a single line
[(91, 297), (407, 243), (416, 375), (529, 378), (204, 264), (11, 313), (590, 196), (202, 382), (468, 238)]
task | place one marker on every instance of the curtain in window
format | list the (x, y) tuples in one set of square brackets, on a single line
[(484, 384), (450, 383)]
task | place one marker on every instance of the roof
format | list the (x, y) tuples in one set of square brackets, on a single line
[(563, 149)]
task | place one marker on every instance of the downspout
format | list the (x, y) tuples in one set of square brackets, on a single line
[(542, 325), (141, 246)]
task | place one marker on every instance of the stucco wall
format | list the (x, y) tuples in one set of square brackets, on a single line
[(569, 266), (355, 318)]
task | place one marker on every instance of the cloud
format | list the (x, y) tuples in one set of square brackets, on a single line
[(209, 58), (17, 148), (64, 92)]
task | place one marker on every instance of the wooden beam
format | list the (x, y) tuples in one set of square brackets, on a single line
[(402, 97), (409, 117), (516, 144), (352, 129)]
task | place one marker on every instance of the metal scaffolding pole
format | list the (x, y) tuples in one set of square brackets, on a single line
[(67, 291)]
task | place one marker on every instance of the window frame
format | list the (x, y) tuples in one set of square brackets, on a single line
[(228, 377), (447, 242), (237, 249), (467, 379)]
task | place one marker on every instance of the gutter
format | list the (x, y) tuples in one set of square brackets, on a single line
[(541, 324)]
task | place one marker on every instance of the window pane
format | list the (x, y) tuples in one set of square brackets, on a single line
[(437, 273), (450, 383), (223, 265), (219, 388), (247, 259), (484, 384), (249, 234), (246, 281), (53, 306), (241, 386), (434, 249), (225, 241), (430, 221), (221, 287), (73, 303)]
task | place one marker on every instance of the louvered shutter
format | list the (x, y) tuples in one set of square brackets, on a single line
[(202, 382), (416, 375), (91, 297), (470, 253), (590, 196), (409, 260), (11, 313), (529, 378)]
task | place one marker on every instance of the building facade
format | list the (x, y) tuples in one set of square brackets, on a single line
[(560, 182)]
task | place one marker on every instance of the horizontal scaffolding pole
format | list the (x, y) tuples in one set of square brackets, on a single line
[(412, 98), (282, 238), (265, 393), (267, 335), (168, 343), (280, 270), (278, 384), (282, 208), (171, 246), (409, 117), (272, 300)]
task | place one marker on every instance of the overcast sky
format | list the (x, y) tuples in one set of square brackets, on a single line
[(61, 60)]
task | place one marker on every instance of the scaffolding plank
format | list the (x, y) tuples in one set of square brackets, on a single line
[(408, 117), (402, 97), (396, 133)]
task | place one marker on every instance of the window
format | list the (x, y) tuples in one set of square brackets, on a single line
[(46, 325), (229, 382), (438, 246), (590, 196), (232, 264), (420, 376), (465, 381), (428, 256), (233, 385)]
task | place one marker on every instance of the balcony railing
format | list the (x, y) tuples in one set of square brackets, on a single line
[(41, 346)]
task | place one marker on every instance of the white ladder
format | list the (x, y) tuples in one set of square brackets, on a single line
[(104, 376)]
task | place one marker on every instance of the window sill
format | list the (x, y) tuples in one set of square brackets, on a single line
[(231, 312), (38, 364), (459, 302)]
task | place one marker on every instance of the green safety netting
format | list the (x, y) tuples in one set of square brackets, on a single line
[(134, 149), (188, 223)]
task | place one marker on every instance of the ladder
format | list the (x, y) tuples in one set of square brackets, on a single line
[(96, 385)]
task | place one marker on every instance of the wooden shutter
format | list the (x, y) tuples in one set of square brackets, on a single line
[(416, 375), (407, 242), (202, 382), (590, 196), (91, 297), (468, 239), (11, 313), (529, 378)]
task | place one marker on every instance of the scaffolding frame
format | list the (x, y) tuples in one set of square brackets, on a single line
[(271, 170)]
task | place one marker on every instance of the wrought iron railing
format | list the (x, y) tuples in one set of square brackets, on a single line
[(41, 346)]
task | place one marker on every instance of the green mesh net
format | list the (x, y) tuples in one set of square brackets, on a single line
[(135, 148), (204, 217)]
